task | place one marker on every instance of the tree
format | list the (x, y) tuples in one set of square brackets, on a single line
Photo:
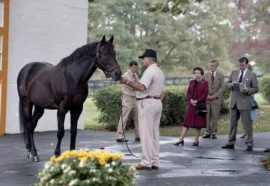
[(252, 33), (175, 7), (182, 42)]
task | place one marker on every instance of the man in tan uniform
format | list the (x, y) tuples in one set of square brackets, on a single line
[(150, 92), (129, 104), (214, 99)]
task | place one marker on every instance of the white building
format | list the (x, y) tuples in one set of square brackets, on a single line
[(36, 30)]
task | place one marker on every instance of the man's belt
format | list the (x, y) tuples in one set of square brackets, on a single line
[(149, 97)]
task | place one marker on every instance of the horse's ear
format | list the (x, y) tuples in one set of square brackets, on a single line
[(103, 39), (111, 40)]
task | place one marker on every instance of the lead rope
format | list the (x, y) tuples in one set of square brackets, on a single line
[(124, 129)]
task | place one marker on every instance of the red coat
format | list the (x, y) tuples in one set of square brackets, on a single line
[(197, 91)]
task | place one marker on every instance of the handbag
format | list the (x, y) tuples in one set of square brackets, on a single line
[(200, 109), (254, 104)]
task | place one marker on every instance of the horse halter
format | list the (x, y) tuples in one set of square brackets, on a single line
[(102, 65)]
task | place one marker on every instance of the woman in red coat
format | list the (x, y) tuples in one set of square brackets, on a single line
[(197, 94)]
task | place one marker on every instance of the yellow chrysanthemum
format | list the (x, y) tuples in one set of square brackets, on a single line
[(102, 161)]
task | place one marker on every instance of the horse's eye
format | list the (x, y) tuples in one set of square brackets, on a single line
[(103, 54)]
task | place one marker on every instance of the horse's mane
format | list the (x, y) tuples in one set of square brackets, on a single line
[(78, 53)]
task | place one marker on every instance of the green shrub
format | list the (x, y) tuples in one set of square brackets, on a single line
[(108, 102), (264, 87), (225, 102), (174, 103)]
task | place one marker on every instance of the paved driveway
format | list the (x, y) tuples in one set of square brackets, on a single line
[(207, 164)]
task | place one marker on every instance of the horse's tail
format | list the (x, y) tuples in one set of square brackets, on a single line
[(22, 121)]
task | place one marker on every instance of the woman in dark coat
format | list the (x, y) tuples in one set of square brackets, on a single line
[(197, 94)]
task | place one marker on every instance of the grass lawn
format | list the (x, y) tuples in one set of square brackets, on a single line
[(262, 123)]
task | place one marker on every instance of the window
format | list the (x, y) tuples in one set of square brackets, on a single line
[(1, 14)]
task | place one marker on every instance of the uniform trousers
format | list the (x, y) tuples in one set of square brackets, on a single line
[(149, 118), (129, 110)]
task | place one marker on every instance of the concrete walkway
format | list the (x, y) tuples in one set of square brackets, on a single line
[(205, 165)]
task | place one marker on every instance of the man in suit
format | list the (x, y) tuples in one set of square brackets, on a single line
[(240, 103), (214, 99)]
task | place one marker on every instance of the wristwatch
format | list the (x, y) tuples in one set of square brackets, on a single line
[(127, 82)]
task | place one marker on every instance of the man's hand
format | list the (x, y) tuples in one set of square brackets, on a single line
[(123, 80), (209, 97), (245, 90)]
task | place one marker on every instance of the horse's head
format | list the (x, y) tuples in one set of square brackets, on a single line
[(107, 60)]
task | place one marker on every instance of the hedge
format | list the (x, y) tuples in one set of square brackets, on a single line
[(108, 102), (264, 87)]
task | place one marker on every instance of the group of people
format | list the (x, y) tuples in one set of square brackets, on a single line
[(141, 101)]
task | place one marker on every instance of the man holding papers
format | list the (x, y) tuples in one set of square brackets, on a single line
[(242, 84)]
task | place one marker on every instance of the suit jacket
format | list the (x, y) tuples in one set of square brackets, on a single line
[(217, 87), (242, 100)]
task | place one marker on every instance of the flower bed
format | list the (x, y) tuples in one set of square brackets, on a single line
[(85, 167), (266, 162)]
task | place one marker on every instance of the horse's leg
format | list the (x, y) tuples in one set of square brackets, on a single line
[(61, 113), (38, 113), (26, 114), (75, 114)]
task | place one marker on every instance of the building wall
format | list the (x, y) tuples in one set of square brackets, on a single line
[(46, 31)]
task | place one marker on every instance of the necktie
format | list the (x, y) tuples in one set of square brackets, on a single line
[(241, 77), (212, 77), (134, 77)]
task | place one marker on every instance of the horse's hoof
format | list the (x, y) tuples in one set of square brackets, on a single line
[(36, 159), (29, 155)]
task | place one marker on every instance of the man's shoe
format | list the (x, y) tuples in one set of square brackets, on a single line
[(121, 140), (155, 167), (267, 150), (243, 136), (214, 136), (227, 146), (138, 139), (206, 136), (249, 148), (142, 167)]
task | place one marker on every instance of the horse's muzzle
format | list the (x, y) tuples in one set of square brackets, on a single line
[(116, 74)]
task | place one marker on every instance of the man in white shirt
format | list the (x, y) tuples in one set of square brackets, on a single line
[(150, 92)]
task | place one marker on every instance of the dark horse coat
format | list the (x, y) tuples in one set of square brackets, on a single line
[(63, 87)]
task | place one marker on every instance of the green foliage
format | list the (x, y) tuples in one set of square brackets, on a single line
[(264, 87), (225, 102), (176, 7), (181, 42), (108, 102), (174, 105)]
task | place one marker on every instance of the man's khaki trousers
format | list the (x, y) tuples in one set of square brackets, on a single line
[(129, 110), (149, 119)]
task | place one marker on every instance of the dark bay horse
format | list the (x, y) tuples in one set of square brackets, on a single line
[(63, 87)]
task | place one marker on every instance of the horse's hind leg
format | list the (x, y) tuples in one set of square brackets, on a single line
[(25, 121), (38, 113), (75, 114)]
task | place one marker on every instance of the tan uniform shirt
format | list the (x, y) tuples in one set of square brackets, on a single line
[(127, 90)]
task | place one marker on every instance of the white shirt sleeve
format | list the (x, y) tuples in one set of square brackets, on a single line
[(147, 78)]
